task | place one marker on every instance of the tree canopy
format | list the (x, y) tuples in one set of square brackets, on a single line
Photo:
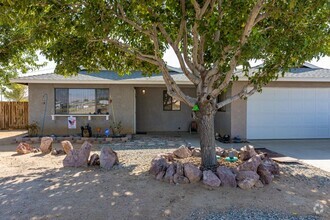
[(209, 37)]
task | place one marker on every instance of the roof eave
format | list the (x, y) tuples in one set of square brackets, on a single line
[(117, 82)]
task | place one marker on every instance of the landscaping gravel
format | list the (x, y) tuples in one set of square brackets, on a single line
[(245, 214)]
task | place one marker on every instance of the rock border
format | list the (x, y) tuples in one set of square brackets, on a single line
[(256, 170)]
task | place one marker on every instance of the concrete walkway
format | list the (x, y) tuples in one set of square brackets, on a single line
[(314, 152)]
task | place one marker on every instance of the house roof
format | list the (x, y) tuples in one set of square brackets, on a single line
[(307, 72)]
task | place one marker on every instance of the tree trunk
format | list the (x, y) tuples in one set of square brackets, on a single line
[(207, 140)]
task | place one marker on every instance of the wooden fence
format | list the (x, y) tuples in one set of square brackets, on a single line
[(13, 115)]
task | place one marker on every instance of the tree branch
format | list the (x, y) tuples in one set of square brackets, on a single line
[(243, 94), (243, 39)]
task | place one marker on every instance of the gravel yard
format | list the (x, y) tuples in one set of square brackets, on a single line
[(36, 186)]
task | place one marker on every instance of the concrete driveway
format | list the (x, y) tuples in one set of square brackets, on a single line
[(313, 152)]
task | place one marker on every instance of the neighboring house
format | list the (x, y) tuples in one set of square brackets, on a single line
[(296, 106)]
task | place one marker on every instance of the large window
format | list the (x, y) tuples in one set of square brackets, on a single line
[(81, 101), (169, 103)]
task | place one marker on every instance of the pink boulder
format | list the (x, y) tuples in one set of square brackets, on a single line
[(210, 179), (24, 148), (192, 172), (247, 152), (108, 158), (46, 145), (67, 146), (226, 176), (251, 164), (78, 158), (182, 152)]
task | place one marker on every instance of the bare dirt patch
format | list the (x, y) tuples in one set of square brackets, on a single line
[(36, 186)]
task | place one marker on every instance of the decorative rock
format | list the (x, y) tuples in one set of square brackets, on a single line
[(108, 157), (247, 179), (167, 156), (160, 175), (54, 152), (170, 173), (246, 175), (230, 151), (192, 172), (182, 152), (24, 148), (271, 166), (196, 153), (259, 184), (252, 164), (247, 152), (67, 146), (179, 179), (179, 169), (78, 158), (94, 160), (265, 176), (219, 151), (158, 164), (210, 179), (226, 176), (46, 145)]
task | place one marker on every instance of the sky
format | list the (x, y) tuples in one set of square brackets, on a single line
[(171, 60)]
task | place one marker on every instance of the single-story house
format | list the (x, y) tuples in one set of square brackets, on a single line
[(295, 106)]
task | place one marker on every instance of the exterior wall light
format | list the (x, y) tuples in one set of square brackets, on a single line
[(143, 91)]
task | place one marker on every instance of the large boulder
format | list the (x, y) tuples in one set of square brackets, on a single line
[(170, 171), (167, 156), (226, 176), (247, 179), (180, 179), (158, 164), (24, 148), (160, 175), (251, 164), (271, 166), (210, 179), (196, 152), (108, 158), (182, 152), (266, 176), (67, 146), (78, 158), (192, 172), (247, 152), (46, 145)]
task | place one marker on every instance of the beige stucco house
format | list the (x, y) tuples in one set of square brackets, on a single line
[(295, 106)]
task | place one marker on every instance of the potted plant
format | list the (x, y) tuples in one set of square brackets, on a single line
[(116, 129)]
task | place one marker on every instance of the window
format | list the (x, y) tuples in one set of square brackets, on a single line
[(222, 97), (81, 101), (170, 103)]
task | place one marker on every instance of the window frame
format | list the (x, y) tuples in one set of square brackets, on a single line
[(68, 107), (172, 103)]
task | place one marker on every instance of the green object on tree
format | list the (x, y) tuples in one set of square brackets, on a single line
[(195, 108)]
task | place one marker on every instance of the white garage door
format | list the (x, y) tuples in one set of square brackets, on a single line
[(288, 113)]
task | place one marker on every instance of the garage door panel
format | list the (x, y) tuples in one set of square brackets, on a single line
[(288, 113)]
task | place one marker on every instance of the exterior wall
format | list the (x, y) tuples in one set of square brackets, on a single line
[(239, 107), (222, 122), (123, 106), (150, 115)]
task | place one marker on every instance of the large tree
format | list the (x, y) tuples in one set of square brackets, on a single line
[(209, 37)]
